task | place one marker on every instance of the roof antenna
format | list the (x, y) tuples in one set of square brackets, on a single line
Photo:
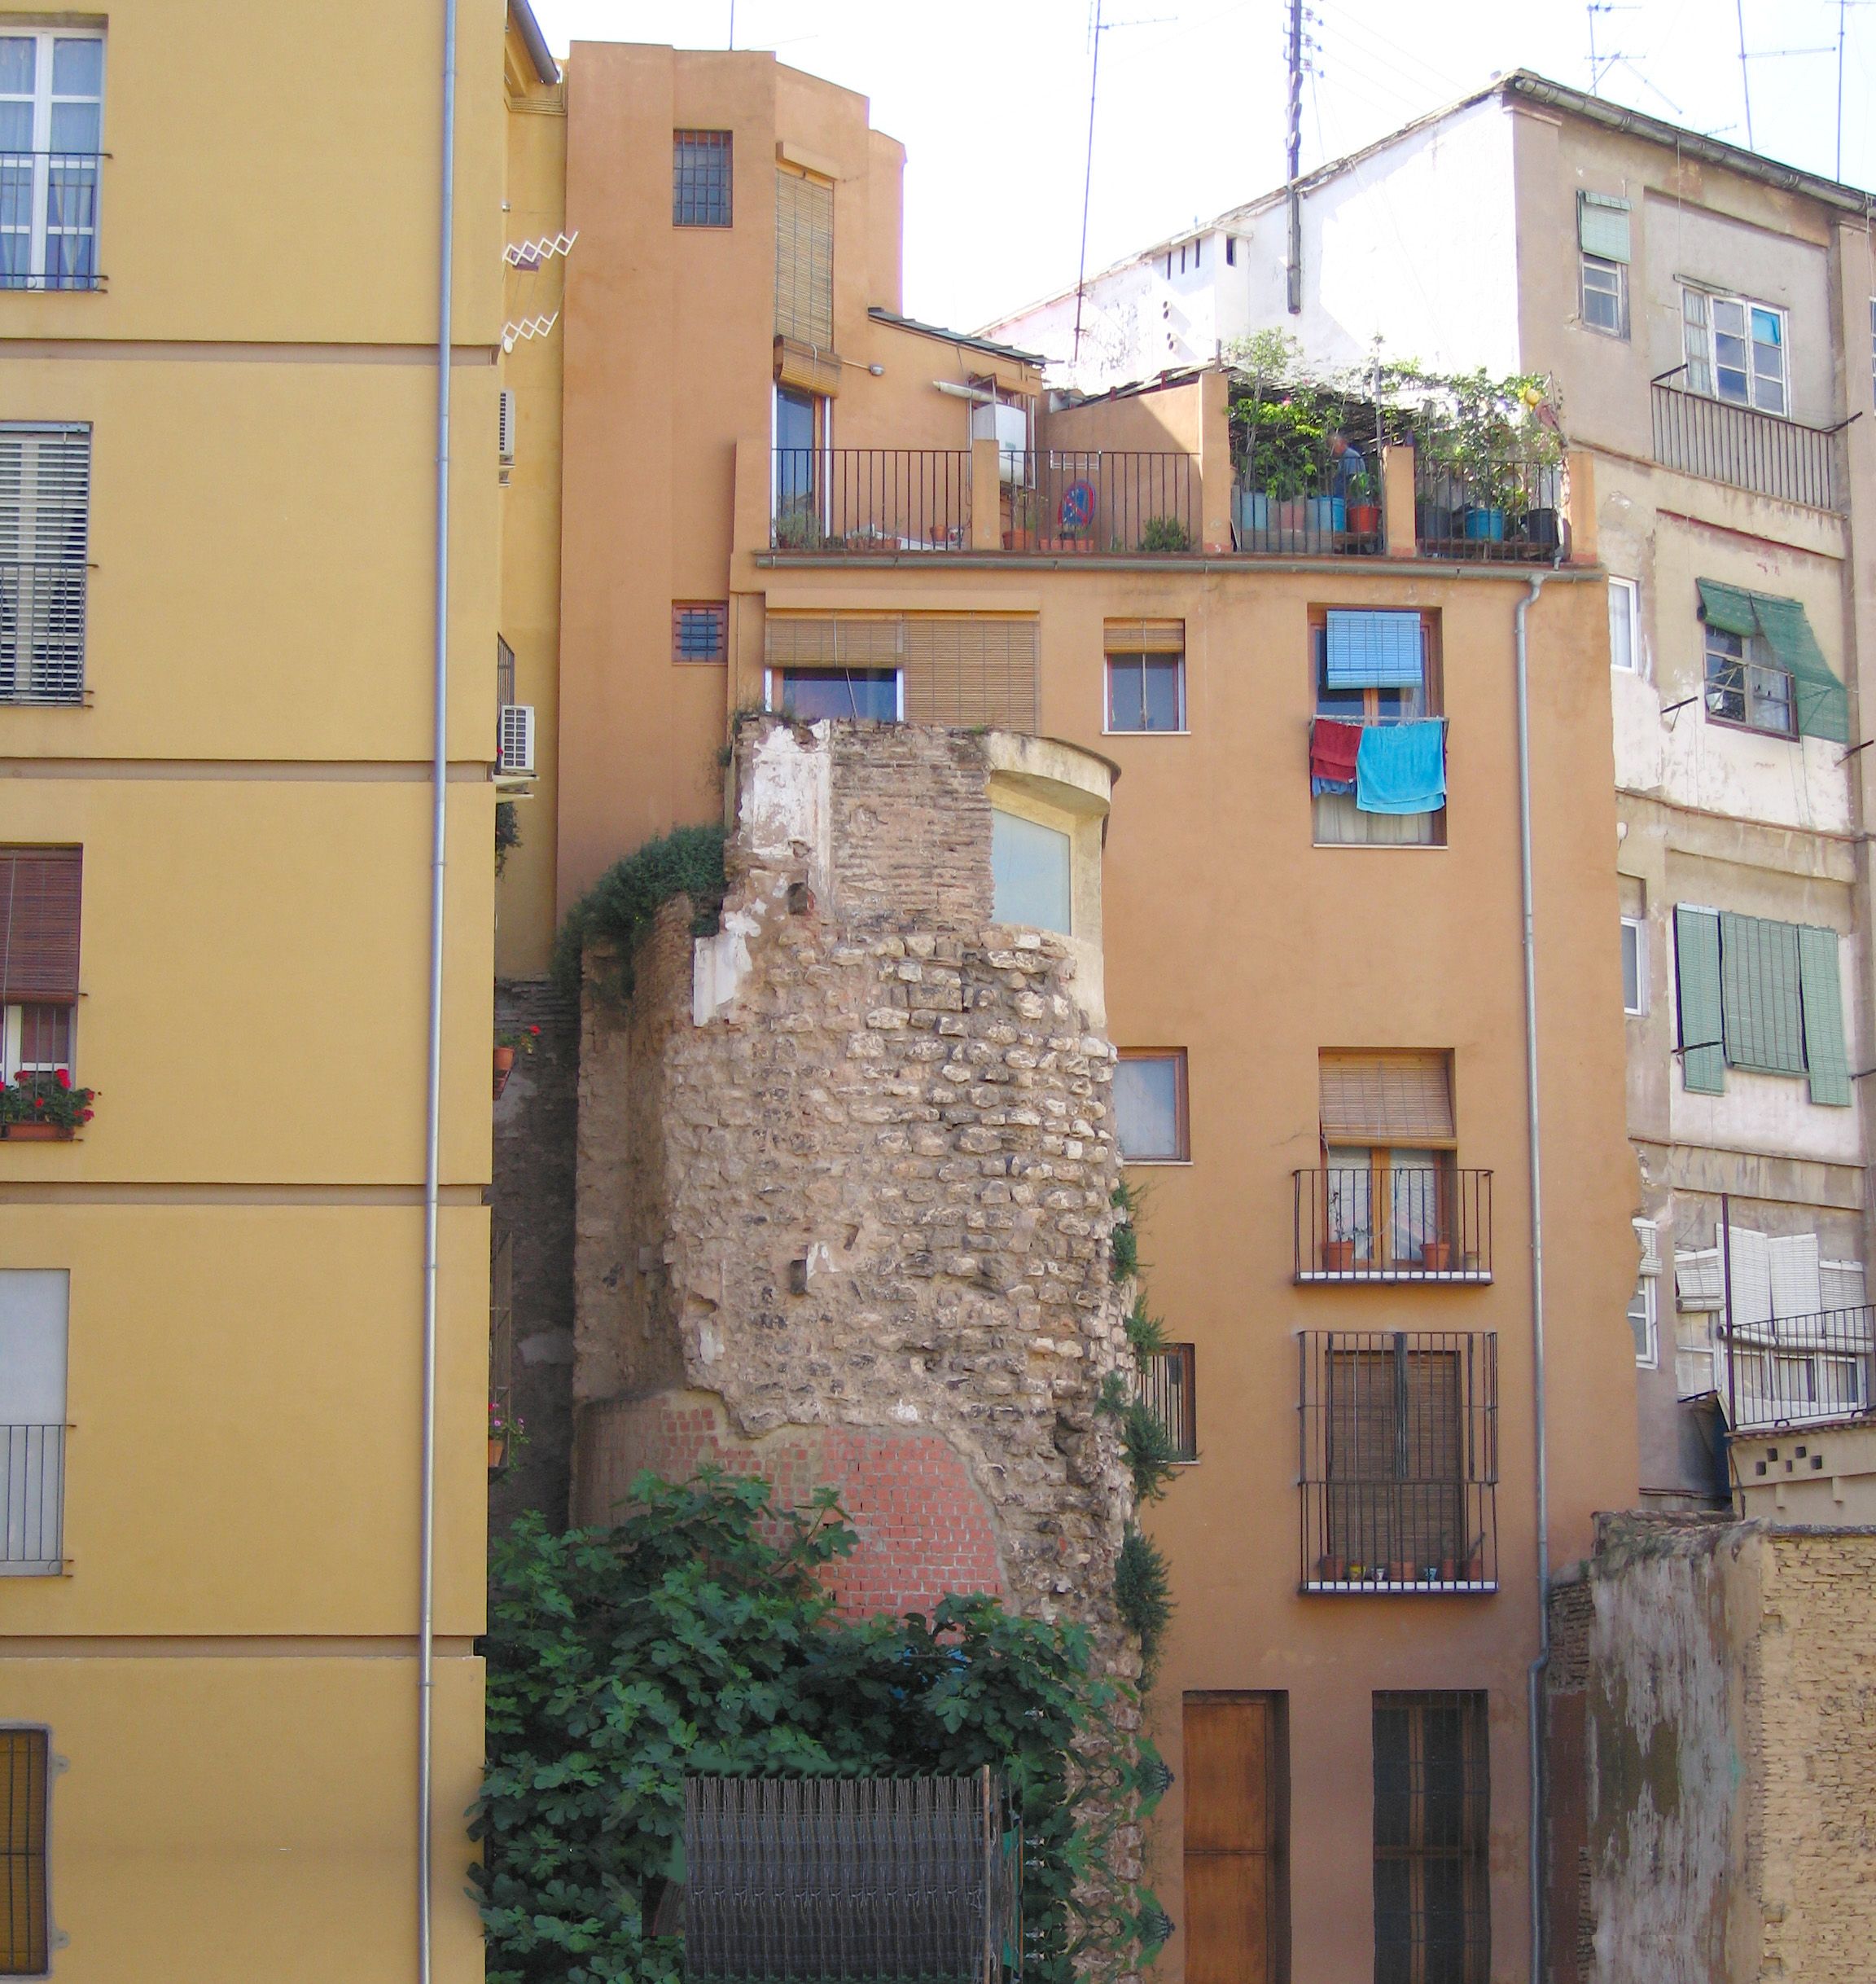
[(1097, 30), (1745, 73)]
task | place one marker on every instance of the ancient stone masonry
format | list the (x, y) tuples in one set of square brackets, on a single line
[(845, 1173)]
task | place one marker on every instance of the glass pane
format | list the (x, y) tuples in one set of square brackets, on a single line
[(1768, 700), (1031, 870), (17, 54), (1601, 295), (1621, 642), (1767, 329), (1162, 678), (15, 127), (1631, 969), (794, 419), (812, 693), (1641, 1326), (75, 128), (1413, 1186), (1347, 1185), (78, 67), (1126, 695), (1147, 1107)]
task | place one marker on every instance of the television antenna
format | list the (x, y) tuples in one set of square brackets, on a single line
[(1600, 65)]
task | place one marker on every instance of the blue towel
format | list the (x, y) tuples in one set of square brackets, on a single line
[(1402, 767)]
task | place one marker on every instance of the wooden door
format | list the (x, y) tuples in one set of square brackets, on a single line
[(1237, 1839)]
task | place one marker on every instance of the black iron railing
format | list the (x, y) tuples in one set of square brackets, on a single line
[(49, 220), (873, 1878), (1723, 443), (1167, 1385), (1800, 1369), (871, 499), (1121, 501), (32, 1496), (1399, 1460), (1507, 505), (1393, 1222)]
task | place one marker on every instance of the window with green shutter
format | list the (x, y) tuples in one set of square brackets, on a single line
[(1780, 638), (1822, 992), (1762, 1022), (1697, 971), (1760, 995)]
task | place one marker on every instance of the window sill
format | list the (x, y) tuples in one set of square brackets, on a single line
[(1383, 847), (1156, 1163), (1749, 729), (1472, 1276), (1388, 1587), (1179, 733)]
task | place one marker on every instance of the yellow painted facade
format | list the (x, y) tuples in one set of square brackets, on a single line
[(227, 1663)]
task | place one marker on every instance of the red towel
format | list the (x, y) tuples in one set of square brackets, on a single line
[(1333, 748)]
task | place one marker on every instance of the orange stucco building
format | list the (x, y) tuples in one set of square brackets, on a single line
[(777, 491)]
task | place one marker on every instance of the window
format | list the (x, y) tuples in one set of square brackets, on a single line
[(1388, 1198), (1031, 869), (804, 259), (700, 175), (872, 695), (33, 1328), (1236, 1838), (51, 133), (1641, 1306), (964, 670), (1432, 1840), (1759, 995), (1873, 345), (1745, 686), (1603, 235), (1376, 671), (699, 629), (1767, 670), (1167, 1385), (44, 539), (1150, 1105), (1400, 1455), (1624, 624), (1735, 350), (1231, 262), (1145, 675), (1634, 964), (800, 431), (39, 903), (25, 1782)]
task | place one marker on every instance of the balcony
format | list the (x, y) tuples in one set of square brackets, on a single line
[(1399, 1461), (32, 1499), (1800, 1370), (1393, 1223), (1505, 506), (862, 500), (1761, 452), (49, 220), (1167, 1385)]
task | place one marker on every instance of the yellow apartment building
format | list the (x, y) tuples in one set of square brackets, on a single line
[(219, 436), (1326, 1087)]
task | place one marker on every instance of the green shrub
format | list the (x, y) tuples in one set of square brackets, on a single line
[(1143, 1594), (507, 831), (620, 906), (1164, 534)]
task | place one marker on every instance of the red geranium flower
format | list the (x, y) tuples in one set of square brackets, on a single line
[(85, 1116), (63, 1077), (38, 1102), (536, 1031)]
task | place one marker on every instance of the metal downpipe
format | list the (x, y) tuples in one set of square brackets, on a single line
[(1541, 1467), (433, 1094)]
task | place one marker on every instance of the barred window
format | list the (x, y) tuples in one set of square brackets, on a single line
[(45, 542), (51, 139), (700, 179), (1432, 1838), (699, 629), (24, 1758)]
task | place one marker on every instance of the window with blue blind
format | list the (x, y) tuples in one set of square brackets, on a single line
[(1373, 651)]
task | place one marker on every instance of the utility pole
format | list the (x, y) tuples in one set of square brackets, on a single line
[(1296, 157), (1744, 74)]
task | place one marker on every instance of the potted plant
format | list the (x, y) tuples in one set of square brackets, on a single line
[(1364, 505), (1338, 1257), (1020, 533), (1435, 1256), (1164, 534), (1331, 1570), (44, 1107), (507, 1435)]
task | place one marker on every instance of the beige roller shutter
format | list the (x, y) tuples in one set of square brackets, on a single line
[(964, 670), (804, 259), (1399, 1098), (1145, 637), (828, 640)]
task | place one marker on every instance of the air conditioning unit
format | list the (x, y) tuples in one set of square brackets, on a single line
[(505, 432), (515, 739)]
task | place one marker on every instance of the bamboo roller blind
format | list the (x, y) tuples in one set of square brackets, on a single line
[(962, 670), (1387, 1098), (39, 892), (1145, 637), (804, 259)]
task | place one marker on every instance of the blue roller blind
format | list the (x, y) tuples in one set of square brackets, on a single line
[(1373, 651)]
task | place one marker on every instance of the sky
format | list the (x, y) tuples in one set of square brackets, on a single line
[(990, 98)]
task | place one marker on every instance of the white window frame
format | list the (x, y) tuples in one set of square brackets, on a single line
[(1644, 1300), (1699, 306), (33, 277), (1108, 728), (33, 1451), (43, 647), (1625, 598), (1602, 266), (1639, 925)]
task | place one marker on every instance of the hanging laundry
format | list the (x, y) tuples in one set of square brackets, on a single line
[(1333, 750), (1401, 767)]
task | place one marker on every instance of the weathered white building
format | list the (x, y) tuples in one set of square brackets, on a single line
[(1707, 318)]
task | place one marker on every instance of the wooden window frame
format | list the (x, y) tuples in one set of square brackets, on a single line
[(1432, 695), (1182, 1104), (685, 194), (26, 1947), (719, 613), (1748, 661)]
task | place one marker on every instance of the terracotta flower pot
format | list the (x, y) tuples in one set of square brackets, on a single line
[(1332, 1570), (1364, 518), (1338, 1257), (1019, 540), (37, 1132), (504, 1059), (1405, 1572), (1436, 1257), (497, 1450)]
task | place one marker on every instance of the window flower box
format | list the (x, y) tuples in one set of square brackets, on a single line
[(44, 1107)]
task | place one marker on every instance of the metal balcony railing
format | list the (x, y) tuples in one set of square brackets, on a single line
[(1509, 507), (1167, 1385), (1721, 442), (1399, 1460), (49, 220), (874, 500), (1117, 500), (32, 1497), (1799, 1370), (1393, 1222)]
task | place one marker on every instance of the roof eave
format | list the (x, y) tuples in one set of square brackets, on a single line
[(534, 41)]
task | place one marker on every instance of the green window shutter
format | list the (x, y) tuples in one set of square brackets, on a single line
[(1602, 225), (1762, 1015), (1726, 608), (1697, 964), (1823, 991), (1823, 703)]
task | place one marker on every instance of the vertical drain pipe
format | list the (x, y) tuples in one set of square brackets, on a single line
[(1541, 1469), (433, 1094)]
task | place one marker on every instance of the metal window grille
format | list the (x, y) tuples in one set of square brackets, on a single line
[(1702, 436), (1432, 1838), (45, 543), (700, 179), (32, 1497), (870, 1879), (25, 1776), (504, 672), (1167, 1384), (1411, 1215), (51, 129), (699, 630), (1795, 1371), (1399, 1460)]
